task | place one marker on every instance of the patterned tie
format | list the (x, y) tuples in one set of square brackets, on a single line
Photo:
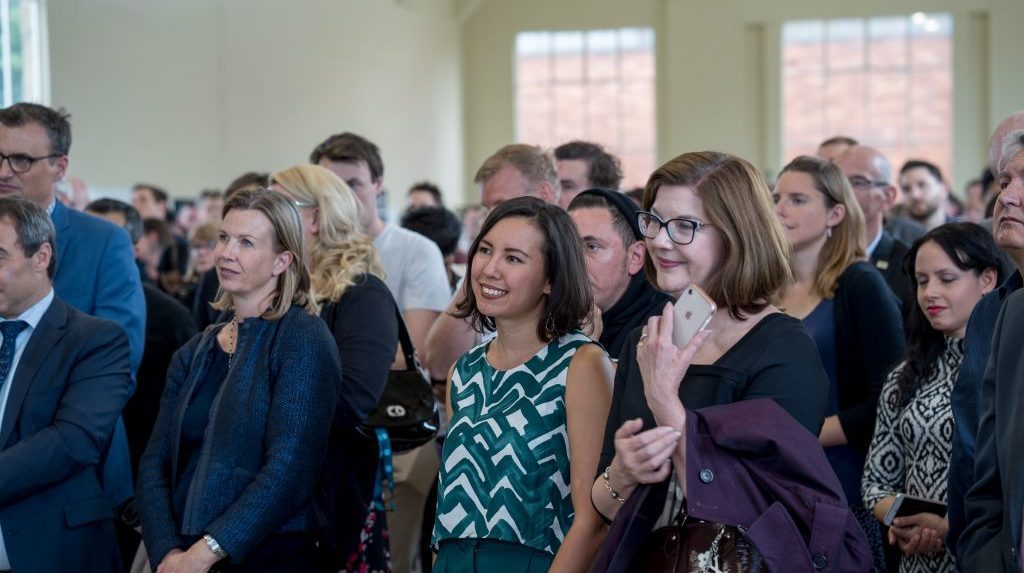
[(10, 330)]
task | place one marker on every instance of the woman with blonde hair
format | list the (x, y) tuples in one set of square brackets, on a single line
[(363, 317), (232, 473), (849, 310)]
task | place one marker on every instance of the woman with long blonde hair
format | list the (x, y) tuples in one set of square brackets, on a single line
[(361, 314)]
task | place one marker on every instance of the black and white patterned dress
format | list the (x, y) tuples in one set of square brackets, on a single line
[(911, 447)]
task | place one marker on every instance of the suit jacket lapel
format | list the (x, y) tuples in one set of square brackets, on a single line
[(43, 341), (883, 252), (61, 225)]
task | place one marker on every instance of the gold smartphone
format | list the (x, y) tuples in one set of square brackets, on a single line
[(692, 313)]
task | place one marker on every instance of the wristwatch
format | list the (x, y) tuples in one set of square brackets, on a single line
[(215, 547)]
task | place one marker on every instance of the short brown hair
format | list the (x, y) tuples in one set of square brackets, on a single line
[(755, 252), (568, 305), (603, 169), (293, 285), (349, 147), (847, 244), (533, 163)]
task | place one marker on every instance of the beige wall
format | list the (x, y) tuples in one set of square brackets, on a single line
[(190, 93), (718, 68)]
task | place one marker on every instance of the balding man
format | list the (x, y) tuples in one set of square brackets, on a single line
[(835, 146), (870, 176)]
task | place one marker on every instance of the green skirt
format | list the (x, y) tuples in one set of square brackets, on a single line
[(489, 556)]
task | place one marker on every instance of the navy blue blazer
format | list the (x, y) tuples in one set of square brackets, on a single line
[(967, 404), (96, 273), (265, 443), (991, 540), (66, 395), (888, 259)]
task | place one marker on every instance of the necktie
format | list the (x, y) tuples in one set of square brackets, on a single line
[(10, 330)]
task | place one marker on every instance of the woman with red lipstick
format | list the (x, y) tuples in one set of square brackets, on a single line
[(526, 409), (849, 311), (953, 266)]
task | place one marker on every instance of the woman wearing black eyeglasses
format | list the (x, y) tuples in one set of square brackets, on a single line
[(709, 222)]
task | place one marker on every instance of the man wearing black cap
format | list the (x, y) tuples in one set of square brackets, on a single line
[(615, 250)]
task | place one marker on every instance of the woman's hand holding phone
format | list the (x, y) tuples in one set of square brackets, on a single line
[(662, 363)]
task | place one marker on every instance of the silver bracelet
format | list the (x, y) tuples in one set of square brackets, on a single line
[(215, 547)]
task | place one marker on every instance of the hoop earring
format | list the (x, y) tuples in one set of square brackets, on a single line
[(549, 324)]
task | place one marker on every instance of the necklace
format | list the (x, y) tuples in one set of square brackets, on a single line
[(232, 333)]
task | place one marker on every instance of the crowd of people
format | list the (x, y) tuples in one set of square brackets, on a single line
[(190, 387)]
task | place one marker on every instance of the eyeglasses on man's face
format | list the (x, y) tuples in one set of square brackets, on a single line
[(863, 183), (21, 163), (681, 230)]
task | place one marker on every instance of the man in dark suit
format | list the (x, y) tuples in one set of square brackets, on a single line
[(991, 542), (992, 508), (65, 377), (96, 263), (870, 175)]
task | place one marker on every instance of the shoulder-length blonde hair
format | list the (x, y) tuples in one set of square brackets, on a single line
[(340, 252), (293, 285), (847, 244), (755, 252)]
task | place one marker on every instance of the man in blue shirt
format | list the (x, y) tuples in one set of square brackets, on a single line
[(96, 270)]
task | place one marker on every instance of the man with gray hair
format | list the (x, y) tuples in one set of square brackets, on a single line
[(64, 378), (971, 402)]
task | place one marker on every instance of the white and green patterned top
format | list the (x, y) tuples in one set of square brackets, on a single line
[(505, 465)]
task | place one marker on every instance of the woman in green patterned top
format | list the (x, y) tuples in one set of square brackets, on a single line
[(511, 497)]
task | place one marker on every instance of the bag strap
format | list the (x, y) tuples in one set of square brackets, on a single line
[(411, 363)]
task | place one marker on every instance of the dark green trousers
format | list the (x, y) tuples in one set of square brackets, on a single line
[(489, 556)]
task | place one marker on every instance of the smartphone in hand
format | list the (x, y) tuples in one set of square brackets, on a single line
[(691, 314), (910, 505)]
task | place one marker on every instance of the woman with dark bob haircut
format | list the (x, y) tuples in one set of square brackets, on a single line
[(709, 222), (952, 266), (511, 496), (231, 477)]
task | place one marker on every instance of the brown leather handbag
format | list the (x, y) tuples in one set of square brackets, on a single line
[(690, 545)]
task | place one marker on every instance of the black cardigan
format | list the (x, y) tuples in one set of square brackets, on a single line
[(365, 328), (869, 342)]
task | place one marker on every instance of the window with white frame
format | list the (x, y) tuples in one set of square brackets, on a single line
[(885, 81), (595, 85), (23, 74)]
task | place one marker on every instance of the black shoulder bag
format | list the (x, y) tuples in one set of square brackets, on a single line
[(407, 409)]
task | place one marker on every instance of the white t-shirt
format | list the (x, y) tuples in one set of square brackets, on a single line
[(414, 269)]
